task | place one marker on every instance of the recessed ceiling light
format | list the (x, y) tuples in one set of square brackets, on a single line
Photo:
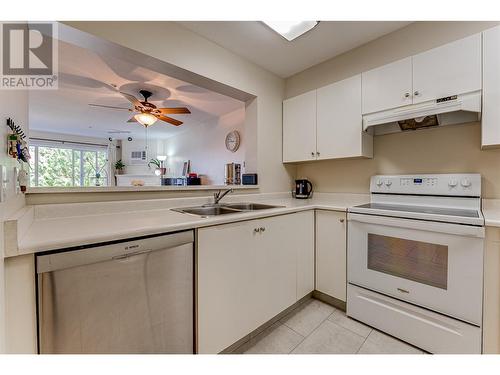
[(291, 29)]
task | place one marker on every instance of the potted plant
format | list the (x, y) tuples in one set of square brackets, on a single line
[(160, 168), (119, 166)]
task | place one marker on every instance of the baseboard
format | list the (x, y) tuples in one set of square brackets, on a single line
[(335, 302), (240, 346)]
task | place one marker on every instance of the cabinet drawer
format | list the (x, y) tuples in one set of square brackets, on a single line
[(425, 329)]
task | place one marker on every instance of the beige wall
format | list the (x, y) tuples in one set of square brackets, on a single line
[(174, 44), (445, 150)]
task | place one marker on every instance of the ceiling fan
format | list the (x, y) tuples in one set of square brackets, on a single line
[(148, 113)]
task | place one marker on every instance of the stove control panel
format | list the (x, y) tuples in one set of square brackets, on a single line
[(467, 184)]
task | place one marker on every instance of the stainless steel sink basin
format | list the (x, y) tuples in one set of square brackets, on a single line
[(249, 206), (223, 209), (207, 211)]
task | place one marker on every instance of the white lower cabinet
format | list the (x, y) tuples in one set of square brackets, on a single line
[(248, 272), (331, 250)]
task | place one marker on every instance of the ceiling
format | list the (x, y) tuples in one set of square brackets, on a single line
[(256, 42), (86, 77)]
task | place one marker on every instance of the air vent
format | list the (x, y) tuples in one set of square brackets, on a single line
[(137, 157)]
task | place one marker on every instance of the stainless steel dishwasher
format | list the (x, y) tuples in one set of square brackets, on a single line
[(128, 297)]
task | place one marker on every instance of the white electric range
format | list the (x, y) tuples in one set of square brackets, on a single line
[(415, 260)]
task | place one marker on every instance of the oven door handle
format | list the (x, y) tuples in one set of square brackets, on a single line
[(431, 226)]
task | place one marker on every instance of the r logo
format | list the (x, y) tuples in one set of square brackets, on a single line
[(27, 49)]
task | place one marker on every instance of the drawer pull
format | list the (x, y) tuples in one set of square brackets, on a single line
[(403, 291)]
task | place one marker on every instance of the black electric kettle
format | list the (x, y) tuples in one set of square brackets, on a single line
[(303, 189)]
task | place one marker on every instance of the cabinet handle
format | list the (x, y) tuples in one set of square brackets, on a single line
[(341, 220), (407, 95), (312, 154), (317, 153), (256, 230), (416, 93), (262, 229)]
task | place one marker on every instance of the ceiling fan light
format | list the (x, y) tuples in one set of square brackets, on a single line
[(145, 119)]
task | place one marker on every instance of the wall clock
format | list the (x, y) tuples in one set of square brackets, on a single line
[(233, 141)]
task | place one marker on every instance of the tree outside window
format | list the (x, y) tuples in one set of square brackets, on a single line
[(55, 166)]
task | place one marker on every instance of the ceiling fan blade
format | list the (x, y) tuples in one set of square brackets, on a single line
[(176, 110), (132, 99), (132, 119), (109, 106), (170, 120)]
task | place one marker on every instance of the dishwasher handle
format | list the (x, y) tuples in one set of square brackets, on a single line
[(115, 251)]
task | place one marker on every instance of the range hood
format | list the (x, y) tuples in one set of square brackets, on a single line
[(456, 109)]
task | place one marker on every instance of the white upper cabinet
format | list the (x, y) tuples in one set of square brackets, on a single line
[(452, 69), (299, 128), (325, 124), (339, 130), (388, 86), (490, 122)]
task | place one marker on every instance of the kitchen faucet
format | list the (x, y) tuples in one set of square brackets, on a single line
[(219, 195)]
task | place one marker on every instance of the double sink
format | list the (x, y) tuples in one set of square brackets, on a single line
[(224, 209)]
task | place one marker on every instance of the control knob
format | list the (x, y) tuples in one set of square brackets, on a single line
[(388, 182), (379, 182), (453, 183), (466, 183)]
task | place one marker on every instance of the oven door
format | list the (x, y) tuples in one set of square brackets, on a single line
[(434, 265)]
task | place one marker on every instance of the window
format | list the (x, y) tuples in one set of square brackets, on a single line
[(423, 262), (63, 164)]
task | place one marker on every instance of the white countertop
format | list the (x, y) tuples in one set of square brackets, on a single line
[(67, 225), (58, 226), (491, 212)]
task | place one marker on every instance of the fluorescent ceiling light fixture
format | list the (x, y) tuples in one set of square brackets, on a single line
[(291, 29)]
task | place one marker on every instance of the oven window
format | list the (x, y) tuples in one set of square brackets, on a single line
[(422, 262)]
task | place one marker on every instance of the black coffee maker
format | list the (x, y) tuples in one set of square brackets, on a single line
[(303, 189)]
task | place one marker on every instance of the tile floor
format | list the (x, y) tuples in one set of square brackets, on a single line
[(317, 328)]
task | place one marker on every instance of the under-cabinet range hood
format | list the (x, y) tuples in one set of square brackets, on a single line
[(456, 109)]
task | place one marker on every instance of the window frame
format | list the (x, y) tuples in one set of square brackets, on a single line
[(75, 148)]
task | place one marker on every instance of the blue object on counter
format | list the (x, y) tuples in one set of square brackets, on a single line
[(249, 179)]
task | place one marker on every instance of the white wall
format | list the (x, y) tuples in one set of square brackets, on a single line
[(14, 104), (138, 145), (205, 147), (174, 44)]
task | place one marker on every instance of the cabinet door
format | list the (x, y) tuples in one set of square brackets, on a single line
[(331, 259), (301, 238), (490, 121), (226, 284), (387, 87), (299, 128), (340, 129), (452, 69), (280, 237)]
